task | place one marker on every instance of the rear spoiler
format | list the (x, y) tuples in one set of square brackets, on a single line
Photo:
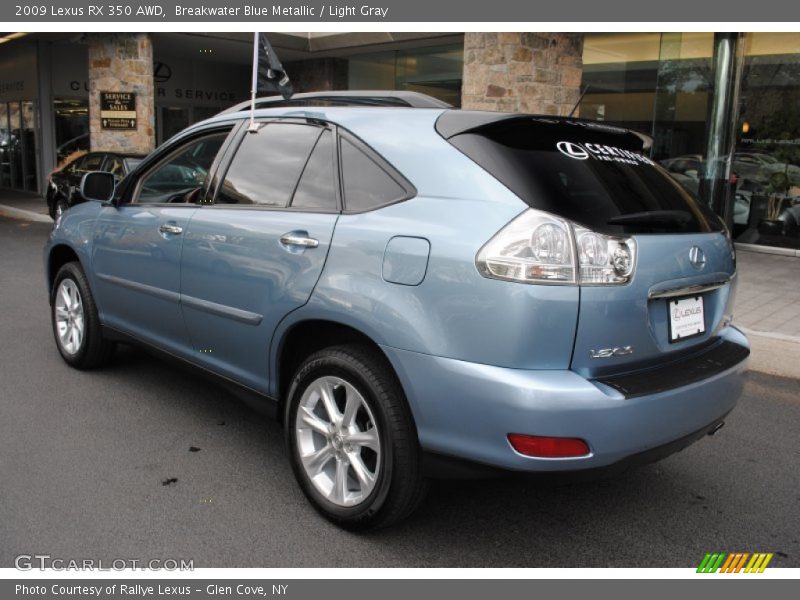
[(455, 122)]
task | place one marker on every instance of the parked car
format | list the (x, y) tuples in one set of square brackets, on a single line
[(416, 292), (691, 163), (759, 167), (79, 143), (63, 185)]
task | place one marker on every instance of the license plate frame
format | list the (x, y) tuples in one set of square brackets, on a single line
[(685, 322)]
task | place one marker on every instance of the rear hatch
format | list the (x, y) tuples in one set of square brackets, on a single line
[(599, 178)]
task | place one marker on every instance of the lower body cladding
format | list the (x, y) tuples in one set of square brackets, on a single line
[(467, 411)]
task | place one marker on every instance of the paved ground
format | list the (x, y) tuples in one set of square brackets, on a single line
[(768, 299), (83, 457)]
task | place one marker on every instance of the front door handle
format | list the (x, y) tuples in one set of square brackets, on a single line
[(168, 228), (294, 238)]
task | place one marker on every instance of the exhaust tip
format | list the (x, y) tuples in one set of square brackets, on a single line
[(716, 428)]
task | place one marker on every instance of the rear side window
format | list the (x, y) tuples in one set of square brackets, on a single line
[(268, 164), (114, 165), (594, 175), (366, 184), (317, 186)]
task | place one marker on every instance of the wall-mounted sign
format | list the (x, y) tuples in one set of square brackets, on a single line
[(118, 110)]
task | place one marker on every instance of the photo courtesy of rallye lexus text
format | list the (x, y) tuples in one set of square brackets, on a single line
[(414, 290)]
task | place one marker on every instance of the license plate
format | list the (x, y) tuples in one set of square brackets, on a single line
[(686, 318)]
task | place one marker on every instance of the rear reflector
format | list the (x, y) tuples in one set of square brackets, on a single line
[(548, 447)]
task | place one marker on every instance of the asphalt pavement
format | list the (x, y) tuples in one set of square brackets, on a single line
[(87, 461)]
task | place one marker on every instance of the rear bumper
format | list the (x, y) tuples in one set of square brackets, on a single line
[(466, 410)]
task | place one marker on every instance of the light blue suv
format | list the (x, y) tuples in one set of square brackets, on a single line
[(415, 292)]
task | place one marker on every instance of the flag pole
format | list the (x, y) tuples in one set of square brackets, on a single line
[(254, 84)]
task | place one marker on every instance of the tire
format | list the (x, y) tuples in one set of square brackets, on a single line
[(380, 443), (76, 325)]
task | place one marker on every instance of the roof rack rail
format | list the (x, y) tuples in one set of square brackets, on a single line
[(346, 98)]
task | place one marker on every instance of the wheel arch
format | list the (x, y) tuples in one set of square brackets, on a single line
[(302, 338), (59, 255)]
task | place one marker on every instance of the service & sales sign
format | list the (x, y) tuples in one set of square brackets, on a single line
[(118, 110)]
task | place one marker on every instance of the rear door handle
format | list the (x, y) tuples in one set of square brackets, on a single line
[(167, 228), (294, 238)]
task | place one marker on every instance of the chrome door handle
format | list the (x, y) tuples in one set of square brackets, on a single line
[(167, 228), (290, 239)]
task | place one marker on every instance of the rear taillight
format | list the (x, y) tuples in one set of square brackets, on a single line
[(548, 447), (537, 247)]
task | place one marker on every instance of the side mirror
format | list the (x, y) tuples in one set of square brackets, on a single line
[(98, 185)]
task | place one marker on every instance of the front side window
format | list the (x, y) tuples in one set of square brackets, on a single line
[(268, 164), (183, 175), (92, 162)]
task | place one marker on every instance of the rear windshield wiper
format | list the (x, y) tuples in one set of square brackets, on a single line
[(653, 217)]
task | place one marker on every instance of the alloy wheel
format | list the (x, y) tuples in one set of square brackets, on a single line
[(69, 316), (338, 441)]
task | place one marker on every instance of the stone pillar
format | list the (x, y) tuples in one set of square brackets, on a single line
[(122, 62), (522, 72)]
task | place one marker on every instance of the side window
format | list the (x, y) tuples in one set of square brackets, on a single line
[(317, 186), (114, 165), (91, 162), (267, 165), (77, 164), (179, 178), (366, 184)]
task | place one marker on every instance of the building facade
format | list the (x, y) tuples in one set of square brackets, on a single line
[(723, 109)]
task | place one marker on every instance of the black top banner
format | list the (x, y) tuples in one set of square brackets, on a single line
[(713, 12)]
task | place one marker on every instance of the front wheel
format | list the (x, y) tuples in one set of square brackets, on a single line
[(76, 324), (352, 440)]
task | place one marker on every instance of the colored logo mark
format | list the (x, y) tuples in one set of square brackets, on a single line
[(744, 562)]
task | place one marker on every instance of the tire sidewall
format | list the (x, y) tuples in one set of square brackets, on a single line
[(338, 366)]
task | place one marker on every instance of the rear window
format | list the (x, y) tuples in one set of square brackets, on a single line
[(591, 174)]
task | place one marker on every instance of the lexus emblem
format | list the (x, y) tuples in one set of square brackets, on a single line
[(575, 151), (697, 257), (162, 72)]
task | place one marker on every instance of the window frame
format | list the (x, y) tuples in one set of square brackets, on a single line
[(129, 190), (235, 145)]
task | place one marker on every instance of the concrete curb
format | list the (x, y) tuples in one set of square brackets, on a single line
[(28, 215), (774, 353)]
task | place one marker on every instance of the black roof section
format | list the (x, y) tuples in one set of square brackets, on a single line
[(346, 98)]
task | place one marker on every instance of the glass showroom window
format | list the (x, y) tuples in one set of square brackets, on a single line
[(658, 83), (17, 146), (436, 71), (767, 157)]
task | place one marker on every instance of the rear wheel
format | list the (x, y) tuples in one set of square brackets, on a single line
[(76, 325), (351, 438)]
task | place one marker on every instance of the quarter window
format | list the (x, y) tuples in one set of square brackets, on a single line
[(366, 184), (268, 164)]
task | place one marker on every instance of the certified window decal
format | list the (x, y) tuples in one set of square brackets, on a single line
[(572, 150), (602, 152)]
